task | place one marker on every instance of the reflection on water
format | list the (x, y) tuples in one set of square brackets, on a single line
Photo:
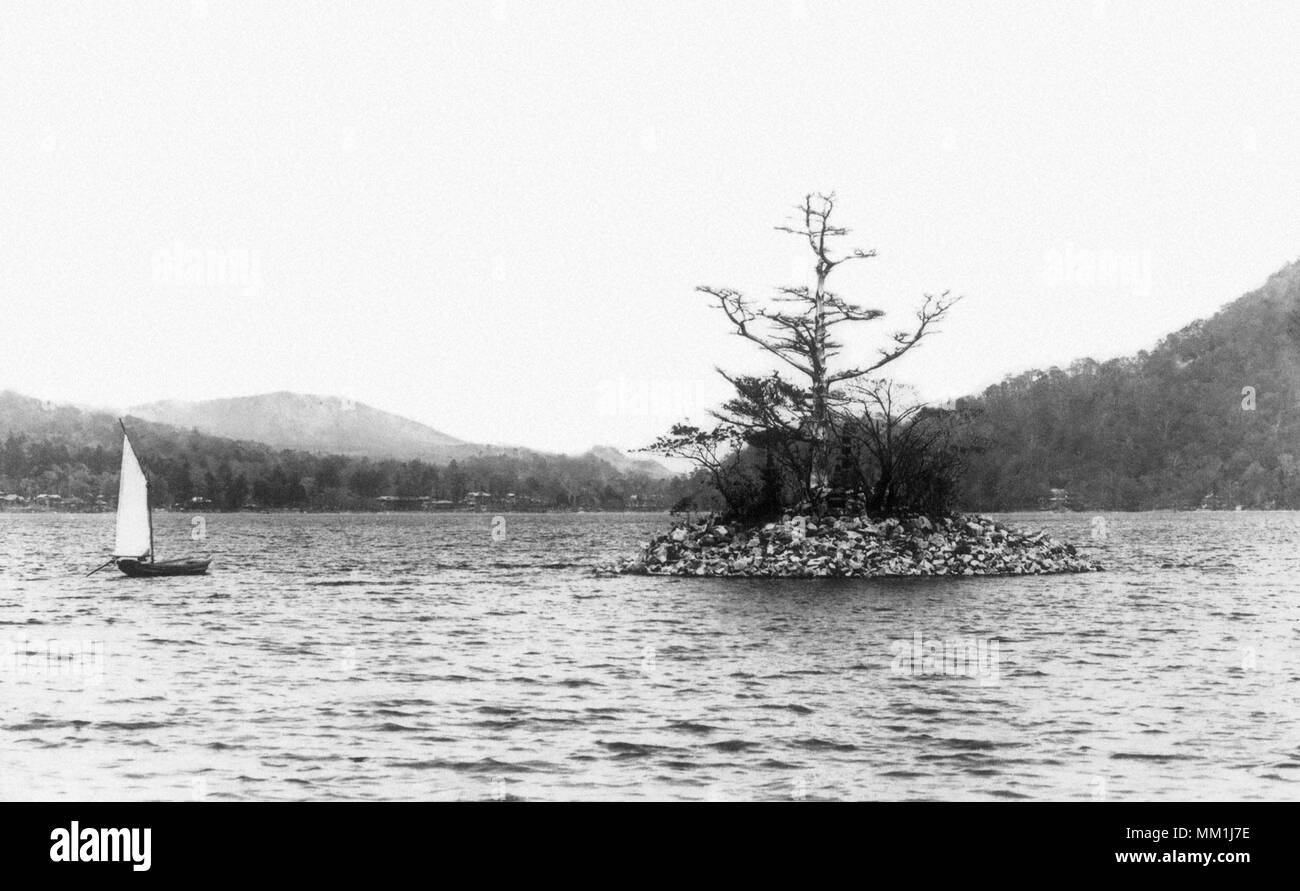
[(420, 657)]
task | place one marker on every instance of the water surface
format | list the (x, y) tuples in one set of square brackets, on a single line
[(383, 656)]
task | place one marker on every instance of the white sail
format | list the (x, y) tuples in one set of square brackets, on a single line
[(133, 537)]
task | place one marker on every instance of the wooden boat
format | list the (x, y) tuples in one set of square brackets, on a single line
[(154, 568), (133, 547)]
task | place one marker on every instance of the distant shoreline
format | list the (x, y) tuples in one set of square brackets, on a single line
[(502, 509), (515, 509)]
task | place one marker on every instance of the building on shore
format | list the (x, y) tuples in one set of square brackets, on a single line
[(1058, 499), (404, 502)]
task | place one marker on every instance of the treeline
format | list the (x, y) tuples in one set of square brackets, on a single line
[(1176, 427), (234, 475)]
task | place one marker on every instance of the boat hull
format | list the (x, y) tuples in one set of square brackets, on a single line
[(158, 568)]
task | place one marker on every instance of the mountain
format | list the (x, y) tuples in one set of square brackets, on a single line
[(312, 424), (344, 427), (627, 464), (39, 418), (1209, 417), (49, 450)]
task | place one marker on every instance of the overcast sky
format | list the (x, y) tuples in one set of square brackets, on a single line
[(491, 217)]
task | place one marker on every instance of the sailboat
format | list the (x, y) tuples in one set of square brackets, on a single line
[(133, 548)]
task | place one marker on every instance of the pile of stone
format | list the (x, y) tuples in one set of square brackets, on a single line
[(854, 546)]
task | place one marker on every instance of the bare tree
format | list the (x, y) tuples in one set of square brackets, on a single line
[(797, 327), (905, 458)]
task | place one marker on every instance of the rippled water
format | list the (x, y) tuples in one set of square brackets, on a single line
[(415, 657)]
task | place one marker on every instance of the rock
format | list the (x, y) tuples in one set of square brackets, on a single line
[(853, 546)]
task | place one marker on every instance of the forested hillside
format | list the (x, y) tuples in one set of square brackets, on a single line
[(1169, 428), (61, 450), (1209, 417)]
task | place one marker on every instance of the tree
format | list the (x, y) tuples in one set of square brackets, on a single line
[(13, 459), (236, 492), (718, 454), (770, 414), (797, 328), (906, 459)]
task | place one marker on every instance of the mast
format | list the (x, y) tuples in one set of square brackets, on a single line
[(149, 513)]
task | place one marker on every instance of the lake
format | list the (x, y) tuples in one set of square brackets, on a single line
[(417, 656)]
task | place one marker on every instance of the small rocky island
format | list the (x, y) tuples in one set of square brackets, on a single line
[(854, 546), (784, 506)]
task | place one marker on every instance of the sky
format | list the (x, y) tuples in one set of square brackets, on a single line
[(491, 217)]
